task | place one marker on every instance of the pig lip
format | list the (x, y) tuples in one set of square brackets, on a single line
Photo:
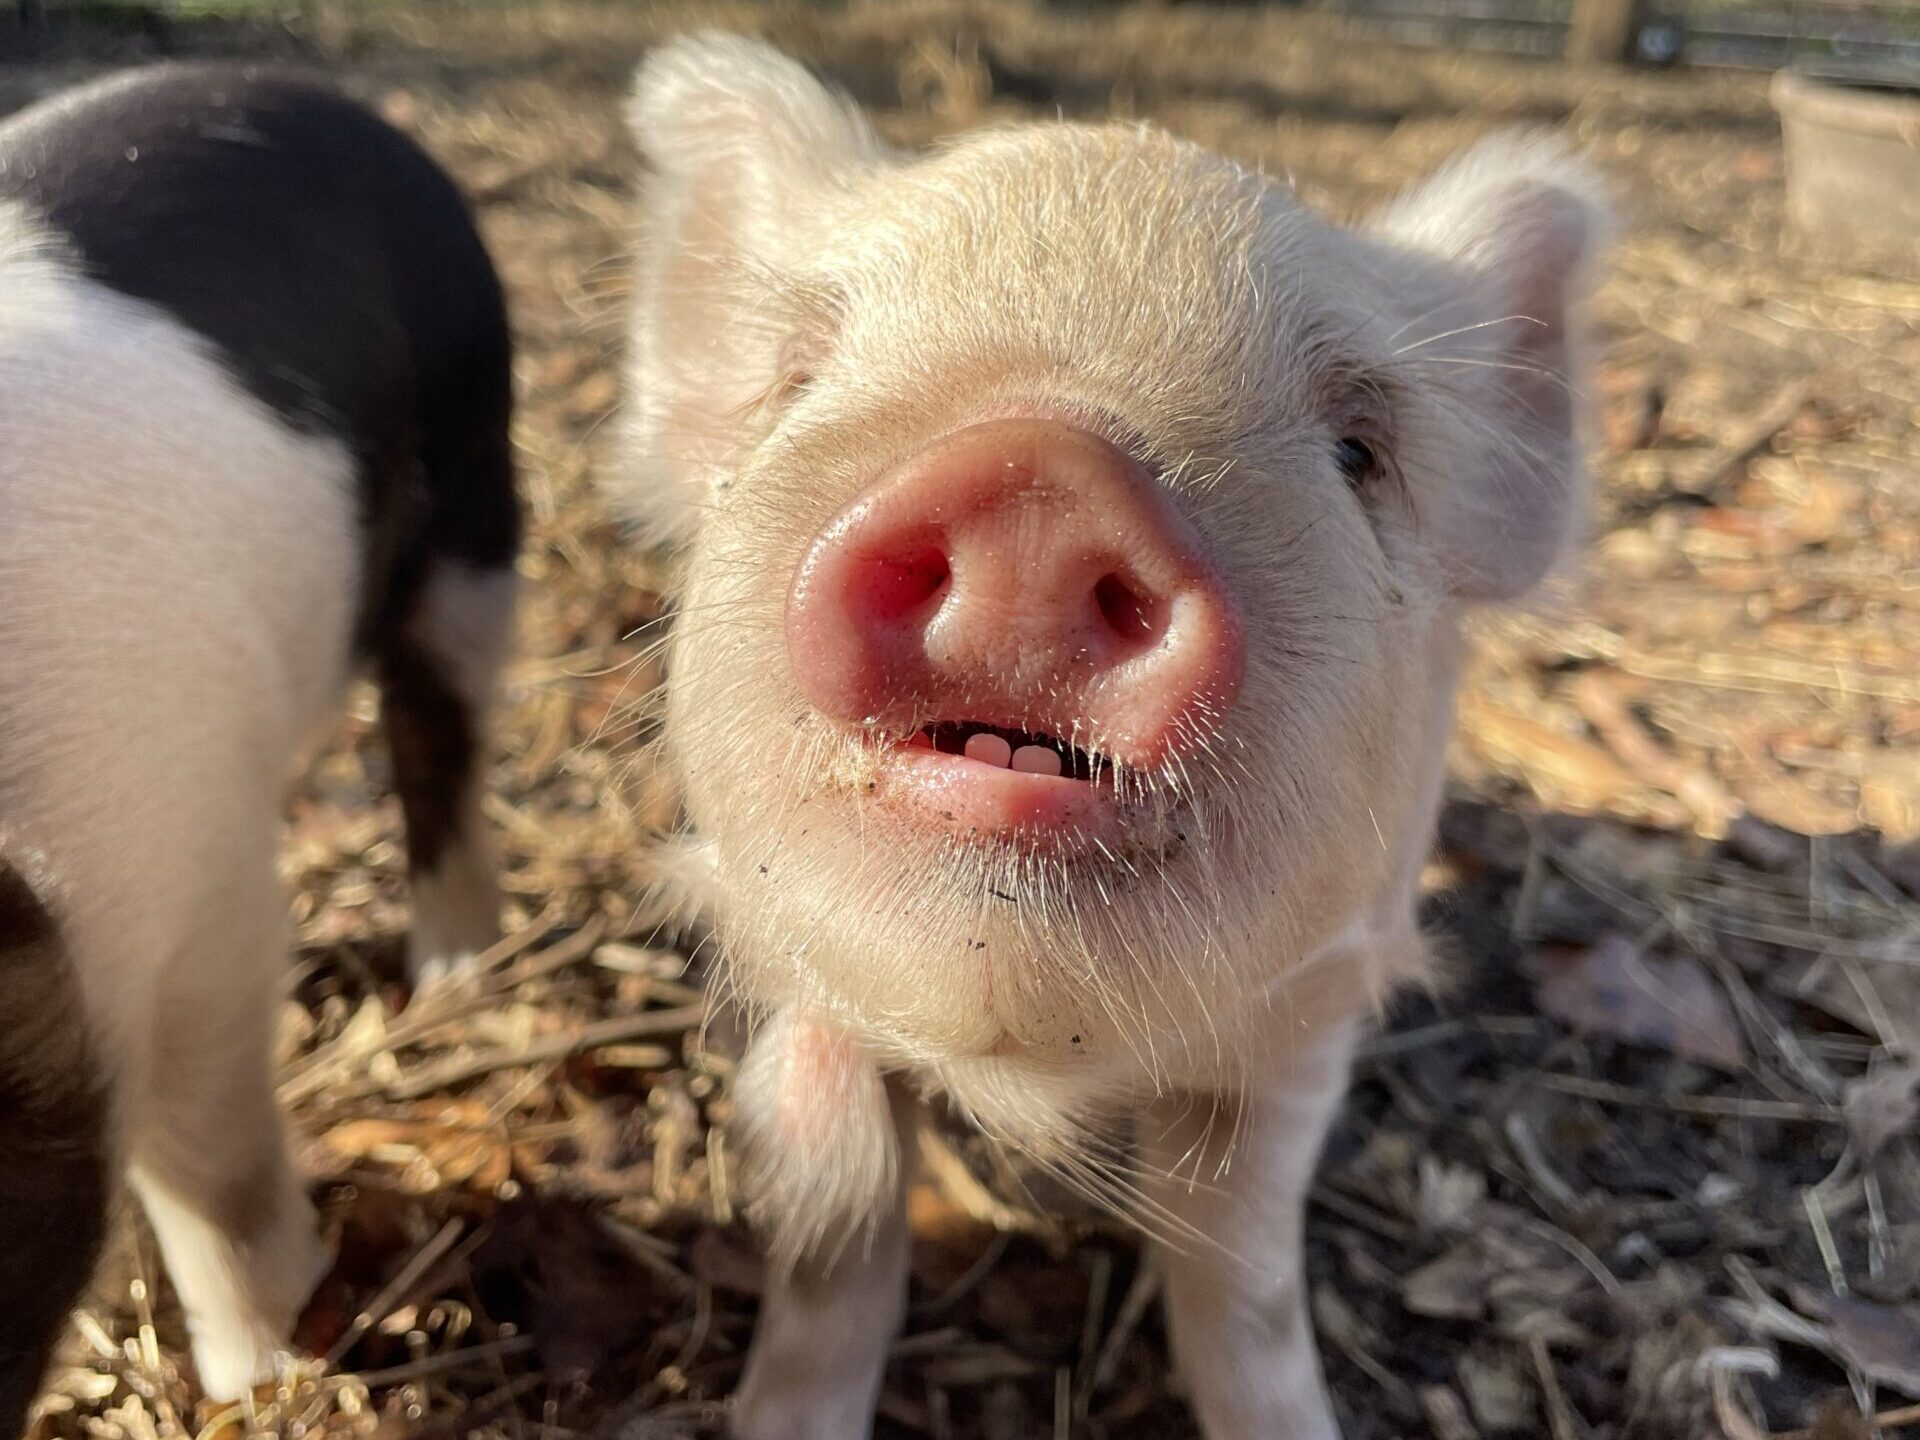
[(975, 801)]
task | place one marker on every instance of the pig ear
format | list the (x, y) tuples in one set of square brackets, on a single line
[(1503, 238), (742, 127), (747, 152)]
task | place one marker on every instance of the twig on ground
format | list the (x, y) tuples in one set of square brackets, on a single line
[(1560, 1418), (395, 1290), (452, 1360), (1133, 1307), (547, 1049), (1899, 1419), (1714, 1106)]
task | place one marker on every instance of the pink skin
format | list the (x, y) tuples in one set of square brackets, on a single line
[(1025, 574), (935, 918)]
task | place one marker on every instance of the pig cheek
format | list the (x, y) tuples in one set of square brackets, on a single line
[(729, 715), (805, 855), (1387, 748), (1315, 836)]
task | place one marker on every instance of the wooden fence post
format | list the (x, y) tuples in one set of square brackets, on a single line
[(1605, 32)]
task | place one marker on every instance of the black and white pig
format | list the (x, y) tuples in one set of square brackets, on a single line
[(1076, 537), (254, 404)]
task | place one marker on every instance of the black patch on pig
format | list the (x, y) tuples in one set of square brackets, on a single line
[(54, 1180), (330, 263), (431, 735)]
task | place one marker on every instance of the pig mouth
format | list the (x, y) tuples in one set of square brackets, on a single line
[(976, 782), (1024, 752)]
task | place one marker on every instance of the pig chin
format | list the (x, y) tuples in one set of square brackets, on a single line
[(936, 947)]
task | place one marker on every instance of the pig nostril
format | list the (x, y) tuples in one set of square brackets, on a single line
[(896, 585), (1134, 617)]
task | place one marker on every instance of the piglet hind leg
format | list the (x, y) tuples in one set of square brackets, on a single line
[(828, 1149), (209, 1154), (1236, 1172), (437, 681), (56, 1176)]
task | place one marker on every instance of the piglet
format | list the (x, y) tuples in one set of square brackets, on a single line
[(1076, 534), (254, 402)]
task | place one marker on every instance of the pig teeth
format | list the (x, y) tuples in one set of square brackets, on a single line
[(1034, 759), (1018, 750), (990, 749)]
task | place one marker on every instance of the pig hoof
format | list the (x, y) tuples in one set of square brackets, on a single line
[(789, 1418), (456, 916), (439, 952), (426, 972), (235, 1353)]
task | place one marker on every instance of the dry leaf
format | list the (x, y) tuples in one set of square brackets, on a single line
[(1882, 1104), (1450, 1196), (1566, 771), (456, 1143), (1877, 998), (1498, 1393), (1882, 1342), (1446, 1416), (1667, 1001), (1454, 1287)]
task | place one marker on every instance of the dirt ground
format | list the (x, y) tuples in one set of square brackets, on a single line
[(1647, 1170)]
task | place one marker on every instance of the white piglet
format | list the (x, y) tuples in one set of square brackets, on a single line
[(254, 399), (1076, 537)]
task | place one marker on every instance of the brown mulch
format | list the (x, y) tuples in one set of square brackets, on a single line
[(1645, 1169)]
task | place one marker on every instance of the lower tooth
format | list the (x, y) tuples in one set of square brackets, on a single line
[(989, 750), (1037, 760)]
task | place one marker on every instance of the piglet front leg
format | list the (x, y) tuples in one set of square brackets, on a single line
[(827, 1148), (1235, 1172)]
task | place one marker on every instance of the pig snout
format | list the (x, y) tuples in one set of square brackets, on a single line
[(1019, 580)]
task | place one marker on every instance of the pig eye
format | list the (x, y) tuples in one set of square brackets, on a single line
[(793, 374), (1356, 460), (784, 391)]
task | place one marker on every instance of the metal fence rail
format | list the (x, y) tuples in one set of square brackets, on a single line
[(1881, 33)]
